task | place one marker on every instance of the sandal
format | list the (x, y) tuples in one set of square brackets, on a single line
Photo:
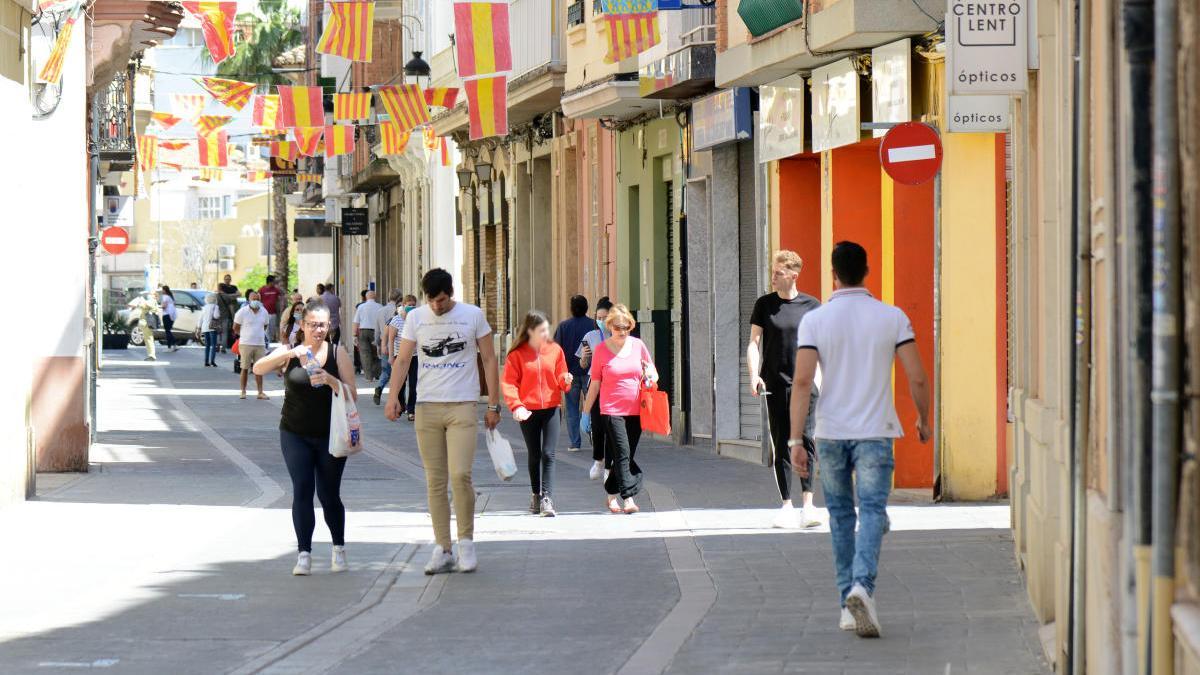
[(243, 397), (412, 417), (613, 504), (263, 397)]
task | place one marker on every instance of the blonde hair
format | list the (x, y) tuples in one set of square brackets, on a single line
[(618, 312), (790, 260)]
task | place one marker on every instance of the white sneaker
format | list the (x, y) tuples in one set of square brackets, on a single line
[(847, 621), (440, 562), (807, 520), (786, 519), (572, 449), (862, 606), (339, 560), (303, 566), (606, 472), (466, 556), (596, 470)]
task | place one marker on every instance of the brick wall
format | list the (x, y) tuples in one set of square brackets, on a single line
[(387, 65), (722, 25)]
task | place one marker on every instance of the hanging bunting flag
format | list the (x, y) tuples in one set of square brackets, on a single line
[(44, 5), (147, 152), (173, 145), (229, 92), (214, 149), (339, 140), (188, 106), (405, 104), (393, 139), (441, 96), (266, 112), (257, 176), (445, 152), (285, 149), (348, 33), (216, 20), (52, 70), (164, 120), (208, 175), (308, 140), (308, 177), (300, 107), (206, 124), (351, 107), (429, 139), (481, 39), (632, 27), (170, 165), (487, 106)]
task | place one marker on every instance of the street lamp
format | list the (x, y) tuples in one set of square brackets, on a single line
[(484, 171), (417, 67), (464, 180)]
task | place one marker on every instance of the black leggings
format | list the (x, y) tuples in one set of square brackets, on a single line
[(541, 437), (625, 478), (311, 466), (169, 329), (601, 446), (779, 414)]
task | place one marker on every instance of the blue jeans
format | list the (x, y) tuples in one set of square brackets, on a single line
[(573, 397), (385, 373), (210, 346), (856, 556)]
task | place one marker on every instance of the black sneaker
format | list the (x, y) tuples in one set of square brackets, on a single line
[(547, 508), (378, 394), (535, 504)]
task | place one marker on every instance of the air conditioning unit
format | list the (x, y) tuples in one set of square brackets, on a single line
[(225, 265), (226, 251)]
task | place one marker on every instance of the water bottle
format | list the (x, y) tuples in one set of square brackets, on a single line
[(311, 366), (355, 427)]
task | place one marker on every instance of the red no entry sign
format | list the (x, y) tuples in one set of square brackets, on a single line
[(115, 240), (911, 153)]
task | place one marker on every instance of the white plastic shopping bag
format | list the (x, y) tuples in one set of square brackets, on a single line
[(345, 429), (502, 454)]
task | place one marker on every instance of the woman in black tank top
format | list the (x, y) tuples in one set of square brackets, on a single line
[(304, 431)]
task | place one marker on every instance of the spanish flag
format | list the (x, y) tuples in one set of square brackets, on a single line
[(147, 153), (348, 33), (632, 27), (229, 92), (164, 120), (52, 70), (393, 140), (339, 140), (487, 106), (308, 140), (301, 107), (351, 107), (216, 20), (405, 105), (284, 149), (188, 106), (441, 96), (214, 149), (266, 112), (206, 124), (481, 38)]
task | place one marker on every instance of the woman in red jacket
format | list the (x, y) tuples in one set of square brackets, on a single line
[(535, 376)]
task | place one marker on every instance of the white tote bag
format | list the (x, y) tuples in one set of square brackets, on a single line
[(502, 454), (345, 429)]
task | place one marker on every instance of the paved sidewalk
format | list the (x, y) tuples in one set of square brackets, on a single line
[(173, 555)]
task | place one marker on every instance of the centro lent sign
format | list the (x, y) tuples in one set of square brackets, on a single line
[(988, 51)]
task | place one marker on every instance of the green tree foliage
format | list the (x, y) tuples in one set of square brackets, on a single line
[(273, 29), (256, 278)]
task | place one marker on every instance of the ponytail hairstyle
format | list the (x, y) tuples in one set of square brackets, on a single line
[(532, 320)]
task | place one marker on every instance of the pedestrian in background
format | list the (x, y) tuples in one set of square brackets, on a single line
[(408, 391), (169, 314), (270, 294), (227, 294), (365, 316), (621, 367), (250, 325), (304, 432), (535, 376), (147, 310), (855, 339), (334, 303), (569, 336), (601, 449), (290, 334), (384, 341), (210, 319)]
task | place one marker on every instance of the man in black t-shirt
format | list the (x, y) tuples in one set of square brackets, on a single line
[(771, 358)]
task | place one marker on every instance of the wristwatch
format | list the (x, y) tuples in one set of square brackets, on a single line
[(493, 408), (795, 442)]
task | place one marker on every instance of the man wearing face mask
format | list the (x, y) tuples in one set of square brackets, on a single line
[(251, 324), (602, 457)]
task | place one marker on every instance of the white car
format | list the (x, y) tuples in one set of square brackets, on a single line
[(188, 303)]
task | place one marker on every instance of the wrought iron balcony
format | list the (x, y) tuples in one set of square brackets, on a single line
[(112, 109)]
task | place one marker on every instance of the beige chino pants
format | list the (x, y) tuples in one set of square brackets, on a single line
[(446, 437)]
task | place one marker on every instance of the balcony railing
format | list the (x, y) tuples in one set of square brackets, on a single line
[(113, 112), (575, 13), (544, 33)]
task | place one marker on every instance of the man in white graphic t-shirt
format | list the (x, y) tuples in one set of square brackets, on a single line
[(446, 336)]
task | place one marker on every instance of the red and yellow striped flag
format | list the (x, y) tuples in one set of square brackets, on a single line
[(339, 140), (487, 106), (445, 151), (441, 96), (393, 139), (173, 146), (188, 106), (481, 38), (405, 105), (429, 140), (308, 140), (300, 107), (266, 112), (256, 176), (308, 177), (214, 149), (351, 107), (285, 149), (206, 124), (216, 20), (232, 93), (173, 166), (147, 153), (630, 34), (208, 175), (52, 70), (349, 31), (164, 120)]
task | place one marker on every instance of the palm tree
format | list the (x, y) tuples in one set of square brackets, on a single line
[(266, 34)]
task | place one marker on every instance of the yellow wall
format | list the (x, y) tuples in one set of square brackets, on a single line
[(586, 47)]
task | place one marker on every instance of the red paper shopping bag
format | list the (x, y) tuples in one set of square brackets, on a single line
[(655, 412)]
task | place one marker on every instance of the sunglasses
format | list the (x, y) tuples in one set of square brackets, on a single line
[(624, 328)]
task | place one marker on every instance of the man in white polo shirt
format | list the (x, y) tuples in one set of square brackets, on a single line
[(855, 339), (250, 325)]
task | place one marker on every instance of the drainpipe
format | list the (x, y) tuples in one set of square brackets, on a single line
[(1165, 327), (1081, 267), (1138, 33)]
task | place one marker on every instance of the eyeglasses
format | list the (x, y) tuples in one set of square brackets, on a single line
[(624, 328), (316, 325)]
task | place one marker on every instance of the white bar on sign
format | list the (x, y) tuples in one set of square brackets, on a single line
[(115, 240), (912, 153)]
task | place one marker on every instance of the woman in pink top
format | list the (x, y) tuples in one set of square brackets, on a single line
[(621, 367)]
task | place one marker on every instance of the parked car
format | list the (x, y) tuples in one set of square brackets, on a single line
[(188, 303)]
